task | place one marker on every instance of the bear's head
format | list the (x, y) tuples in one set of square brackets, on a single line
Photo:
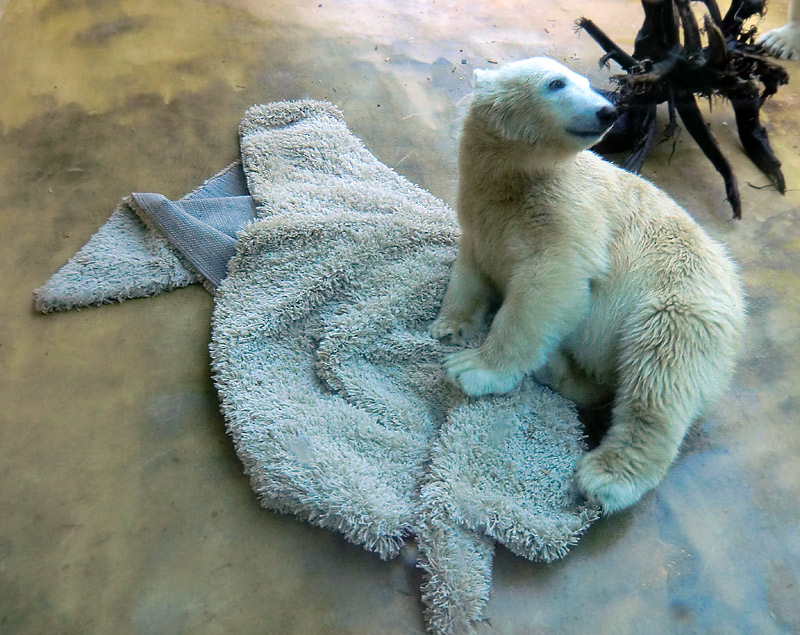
[(541, 103)]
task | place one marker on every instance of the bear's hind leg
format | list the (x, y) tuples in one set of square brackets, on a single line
[(563, 374), (632, 458), (672, 362)]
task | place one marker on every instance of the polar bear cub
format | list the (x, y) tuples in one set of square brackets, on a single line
[(605, 285)]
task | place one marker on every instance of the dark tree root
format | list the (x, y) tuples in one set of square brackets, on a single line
[(692, 119), (670, 64), (613, 52), (646, 123), (754, 139)]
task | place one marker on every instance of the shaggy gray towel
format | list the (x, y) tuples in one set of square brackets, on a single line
[(334, 392)]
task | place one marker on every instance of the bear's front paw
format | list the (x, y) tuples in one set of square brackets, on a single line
[(469, 371), (452, 330), (784, 42), (607, 476)]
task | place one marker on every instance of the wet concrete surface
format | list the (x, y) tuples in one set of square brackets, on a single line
[(122, 505)]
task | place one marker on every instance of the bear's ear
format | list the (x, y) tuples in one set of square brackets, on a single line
[(479, 76)]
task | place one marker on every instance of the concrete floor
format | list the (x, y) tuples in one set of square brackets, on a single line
[(122, 505)]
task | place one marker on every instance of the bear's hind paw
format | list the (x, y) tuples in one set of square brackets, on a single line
[(605, 477)]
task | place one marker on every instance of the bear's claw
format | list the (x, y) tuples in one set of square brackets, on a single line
[(783, 42), (454, 332)]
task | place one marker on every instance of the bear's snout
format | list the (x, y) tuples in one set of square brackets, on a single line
[(607, 115)]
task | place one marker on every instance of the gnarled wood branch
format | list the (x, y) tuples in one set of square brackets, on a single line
[(670, 64)]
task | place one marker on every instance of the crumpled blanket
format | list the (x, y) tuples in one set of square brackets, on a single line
[(327, 268)]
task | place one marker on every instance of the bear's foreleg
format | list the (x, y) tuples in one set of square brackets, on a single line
[(544, 301), (465, 302)]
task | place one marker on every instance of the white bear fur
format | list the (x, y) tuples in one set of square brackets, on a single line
[(784, 42), (605, 284)]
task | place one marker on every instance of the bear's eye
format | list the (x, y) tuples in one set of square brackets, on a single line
[(556, 84)]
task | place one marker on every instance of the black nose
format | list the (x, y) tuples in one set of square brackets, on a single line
[(607, 116)]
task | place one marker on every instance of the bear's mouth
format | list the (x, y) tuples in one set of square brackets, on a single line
[(586, 134)]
